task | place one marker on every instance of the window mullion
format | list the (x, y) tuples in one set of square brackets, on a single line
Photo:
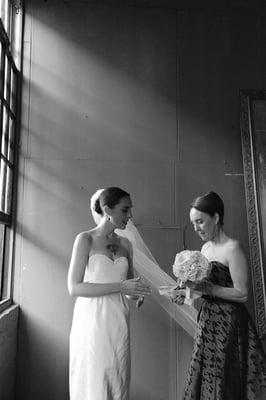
[(2, 82)]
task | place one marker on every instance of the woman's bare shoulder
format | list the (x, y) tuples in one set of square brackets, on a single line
[(85, 236), (233, 245), (235, 252), (82, 243)]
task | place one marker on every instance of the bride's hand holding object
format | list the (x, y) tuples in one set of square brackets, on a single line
[(179, 299), (135, 287), (174, 293)]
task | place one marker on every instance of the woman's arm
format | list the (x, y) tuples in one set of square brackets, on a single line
[(78, 262), (238, 267)]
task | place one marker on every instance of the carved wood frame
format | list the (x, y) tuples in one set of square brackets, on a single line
[(253, 207)]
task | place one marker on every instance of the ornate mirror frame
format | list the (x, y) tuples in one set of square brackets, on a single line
[(253, 135)]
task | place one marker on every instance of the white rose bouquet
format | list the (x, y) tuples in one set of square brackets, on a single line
[(192, 267)]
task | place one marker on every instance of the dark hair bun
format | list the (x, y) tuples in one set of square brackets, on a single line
[(111, 196), (210, 203), (97, 207)]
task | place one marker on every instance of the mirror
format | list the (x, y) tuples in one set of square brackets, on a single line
[(253, 134)]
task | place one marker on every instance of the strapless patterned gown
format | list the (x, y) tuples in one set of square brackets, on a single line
[(99, 338), (228, 362)]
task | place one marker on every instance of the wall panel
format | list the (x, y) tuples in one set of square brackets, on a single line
[(99, 109), (144, 97)]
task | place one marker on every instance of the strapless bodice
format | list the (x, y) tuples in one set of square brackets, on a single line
[(220, 274), (101, 269)]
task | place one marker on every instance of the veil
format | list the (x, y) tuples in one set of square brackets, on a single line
[(147, 267)]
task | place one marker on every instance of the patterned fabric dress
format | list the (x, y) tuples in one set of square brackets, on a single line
[(228, 362)]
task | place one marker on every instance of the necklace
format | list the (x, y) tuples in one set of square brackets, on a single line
[(113, 247)]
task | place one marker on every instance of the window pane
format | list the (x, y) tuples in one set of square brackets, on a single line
[(3, 176), (3, 11), (5, 131), (6, 176), (5, 14), (7, 80), (13, 83), (1, 111), (2, 273), (5, 260), (15, 35), (2, 68), (10, 151), (8, 193)]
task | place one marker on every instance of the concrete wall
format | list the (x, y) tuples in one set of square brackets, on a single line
[(143, 98), (8, 349)]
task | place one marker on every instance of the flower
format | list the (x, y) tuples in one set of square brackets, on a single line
[(191, 265)]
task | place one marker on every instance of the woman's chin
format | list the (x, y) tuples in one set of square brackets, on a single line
[(203, 237)]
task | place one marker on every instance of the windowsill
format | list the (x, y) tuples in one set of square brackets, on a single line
[(6, 307)]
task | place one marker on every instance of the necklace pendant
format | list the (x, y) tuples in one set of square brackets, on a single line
[(112, 248)]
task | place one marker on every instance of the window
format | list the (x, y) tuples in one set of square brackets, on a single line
[(10, 50)]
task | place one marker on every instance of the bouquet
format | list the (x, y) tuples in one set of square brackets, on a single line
[(191, 266)]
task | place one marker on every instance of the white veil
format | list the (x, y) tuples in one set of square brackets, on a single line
[(147, 267)]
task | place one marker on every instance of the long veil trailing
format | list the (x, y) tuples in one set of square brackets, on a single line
[(147, 267)]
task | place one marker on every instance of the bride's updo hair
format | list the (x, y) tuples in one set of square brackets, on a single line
[(110, 197), (210, 203)]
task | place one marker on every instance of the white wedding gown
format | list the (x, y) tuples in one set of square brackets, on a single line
[(99, 339)]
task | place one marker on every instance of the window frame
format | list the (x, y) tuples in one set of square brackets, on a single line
[(10, 82)]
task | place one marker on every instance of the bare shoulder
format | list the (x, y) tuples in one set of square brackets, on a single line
[(81, 246), (84, 238), (233, 246), (235, 254)]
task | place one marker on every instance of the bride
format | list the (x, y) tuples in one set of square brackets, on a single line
[(101, 277)]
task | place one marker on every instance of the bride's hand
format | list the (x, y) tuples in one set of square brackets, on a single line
[(135, 287), (177, 296), (179, 299)]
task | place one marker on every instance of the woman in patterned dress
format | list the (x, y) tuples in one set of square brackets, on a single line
[(228, 361)]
